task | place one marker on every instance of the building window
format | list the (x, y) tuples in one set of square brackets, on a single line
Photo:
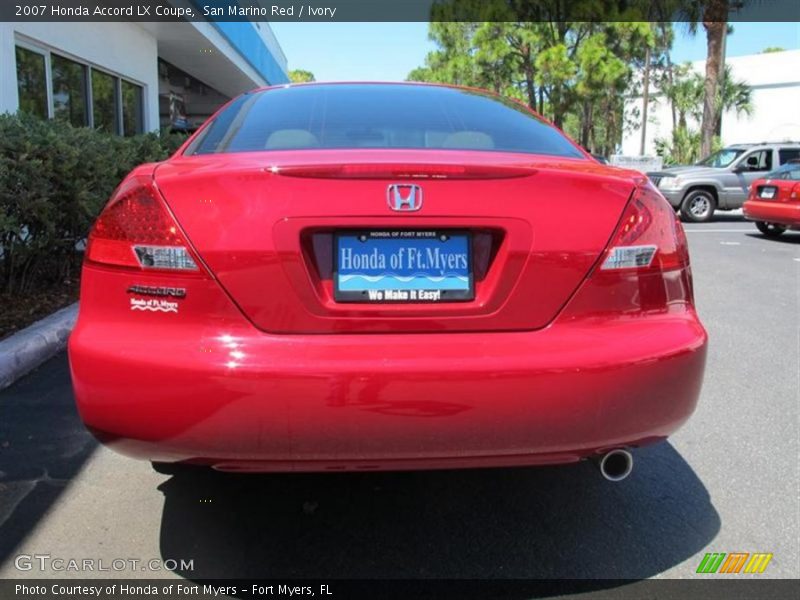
[(132, 114), (105, 103), (32, 82), (69, 91), (51, 85)]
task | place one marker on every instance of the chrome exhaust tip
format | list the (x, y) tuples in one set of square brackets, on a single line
[(615, 465)]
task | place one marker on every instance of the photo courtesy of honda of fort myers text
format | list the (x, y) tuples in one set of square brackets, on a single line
[(422, 299)]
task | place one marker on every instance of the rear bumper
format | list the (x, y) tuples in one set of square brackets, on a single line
[(785, 213), (240, 399)]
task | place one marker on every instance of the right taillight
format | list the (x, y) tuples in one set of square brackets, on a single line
[(645, 268), (649, 236), (137, 230)]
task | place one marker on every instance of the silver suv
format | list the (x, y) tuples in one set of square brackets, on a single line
[(721, 181)]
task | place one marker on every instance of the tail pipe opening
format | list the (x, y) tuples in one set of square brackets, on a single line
[(615, 465)]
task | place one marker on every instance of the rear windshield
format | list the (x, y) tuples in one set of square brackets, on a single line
[(787, 171), (378, 116)]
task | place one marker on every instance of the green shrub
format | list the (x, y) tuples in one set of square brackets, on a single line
[(54, 180), (683, 148)]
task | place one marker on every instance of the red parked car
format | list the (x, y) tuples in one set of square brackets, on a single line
[(384, 276), (774, 202)]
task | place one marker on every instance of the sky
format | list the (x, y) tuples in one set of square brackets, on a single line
[(388, 51)]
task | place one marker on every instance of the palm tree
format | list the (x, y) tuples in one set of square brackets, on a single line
[(686, 94), (715, 22), (733, 96), (713, 14)]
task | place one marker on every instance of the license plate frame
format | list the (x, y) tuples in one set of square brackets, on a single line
[(411, 294)]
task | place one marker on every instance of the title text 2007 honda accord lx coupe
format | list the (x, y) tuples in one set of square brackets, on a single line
[(384, 276)]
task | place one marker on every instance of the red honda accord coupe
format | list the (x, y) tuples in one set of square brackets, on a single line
[(384, 276)]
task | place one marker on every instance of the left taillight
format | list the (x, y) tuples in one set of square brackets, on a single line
[(136, 230)]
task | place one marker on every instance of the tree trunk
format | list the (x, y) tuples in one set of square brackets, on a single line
[(670, 78), (611, 130), (715, 22), (718, 124), (557, 108), (645, 100), (530, 88), (585, 124)]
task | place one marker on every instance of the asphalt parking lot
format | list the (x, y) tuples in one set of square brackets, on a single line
[(727, 482)]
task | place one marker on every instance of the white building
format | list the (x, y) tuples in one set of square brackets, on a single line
[(774, 79), (129, 77)]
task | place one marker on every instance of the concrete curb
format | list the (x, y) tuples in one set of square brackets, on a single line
[(27, 349)]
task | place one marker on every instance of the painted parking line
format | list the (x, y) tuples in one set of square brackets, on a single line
[(719, 230)]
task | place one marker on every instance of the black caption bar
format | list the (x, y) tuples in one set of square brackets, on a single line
[(396, 10), (391, 589)]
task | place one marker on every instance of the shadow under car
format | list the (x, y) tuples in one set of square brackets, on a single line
[(519, 523)]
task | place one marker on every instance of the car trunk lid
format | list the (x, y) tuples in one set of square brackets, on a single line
[(265, 224)]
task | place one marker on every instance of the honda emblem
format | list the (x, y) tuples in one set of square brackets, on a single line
[(404, 197)]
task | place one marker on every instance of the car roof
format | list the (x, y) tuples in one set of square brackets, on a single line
[(750, 146)]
